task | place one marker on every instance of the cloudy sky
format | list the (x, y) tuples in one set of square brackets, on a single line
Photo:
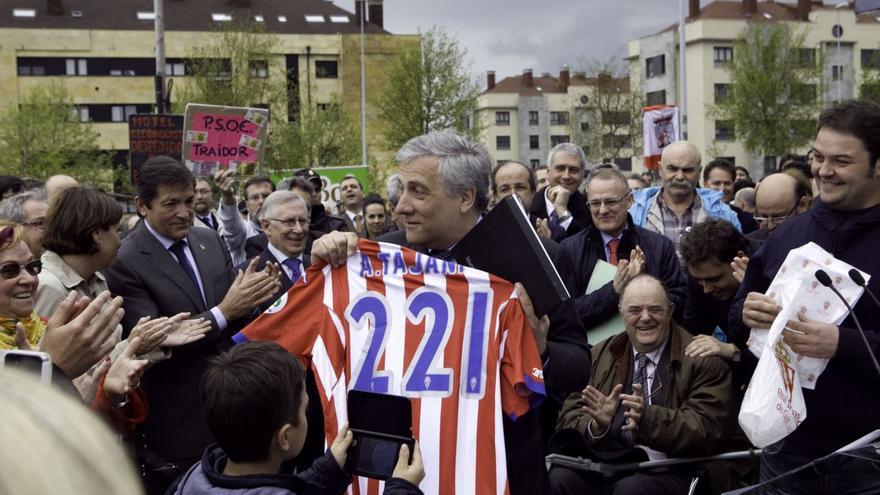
[(509, 35)]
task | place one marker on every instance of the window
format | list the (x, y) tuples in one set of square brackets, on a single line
[(585, 126), (655, 66), (806, 58), (769, 164), (502, 118), (82, 113), (558, 118), (121, 113), (871, 59), (259, 68), (804, 94), (615, 118), (731, 159), (146, 16), (624, 164), (722, 92), (175, 67), (656, 97), (314, 18), (76, 67), (554, 140), (533, 117), (534, 142), (282, 18), (24, 13), (259, 18), (836, 72), (724, 130), (502, 142), (340, 19), (326, 69), (617, 141), (534, 163), (221, 17), (723, 55)]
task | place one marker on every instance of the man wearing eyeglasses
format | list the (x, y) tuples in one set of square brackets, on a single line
[(679, 204), (646, 399), (613, 237), (845, 221), (28, 209), (779, 197)]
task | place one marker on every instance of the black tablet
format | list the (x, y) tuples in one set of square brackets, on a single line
[(380, 424)]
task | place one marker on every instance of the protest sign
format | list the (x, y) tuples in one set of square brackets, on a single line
[(219, 138), (151, 135)]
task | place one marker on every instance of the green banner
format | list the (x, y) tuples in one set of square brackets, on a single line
[(331, 177)]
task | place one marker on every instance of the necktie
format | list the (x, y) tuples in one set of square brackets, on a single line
[(612, 251), (556, 230), (359, 222), (178, 249), (207, 221), (640, 376), (293, 264)]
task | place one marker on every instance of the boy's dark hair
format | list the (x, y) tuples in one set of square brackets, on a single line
[(861, 118), (712, 239), (721, 163), (374, 199), (162, 171), (742, 184), (76, 215), (248, 393), (10, 184)]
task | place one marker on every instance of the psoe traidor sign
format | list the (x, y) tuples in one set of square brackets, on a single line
[(219, 138)]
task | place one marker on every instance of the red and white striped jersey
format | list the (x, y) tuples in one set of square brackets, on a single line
[(453, 339)]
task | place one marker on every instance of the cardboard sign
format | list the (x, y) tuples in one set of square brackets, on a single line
[(151, 135), (219, 138)]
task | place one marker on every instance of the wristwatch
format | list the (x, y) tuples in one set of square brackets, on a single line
[(564, 217)]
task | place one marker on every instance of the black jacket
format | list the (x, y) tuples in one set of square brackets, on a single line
[(845, 404), (324, 477), (586, 248), (322, 221), (567, 363), (577, 206)]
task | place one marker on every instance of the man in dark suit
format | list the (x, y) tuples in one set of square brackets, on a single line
[(441, 201), (560, 207), (165, 267)]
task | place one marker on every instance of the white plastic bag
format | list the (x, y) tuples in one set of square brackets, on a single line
[(773, 406)]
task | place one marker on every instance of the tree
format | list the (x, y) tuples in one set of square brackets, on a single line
[(321, 137), (869, 85), (427, 89), (608, 122), (43, 136), (773, 96), (233, 69)]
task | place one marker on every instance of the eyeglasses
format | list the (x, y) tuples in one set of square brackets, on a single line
[(781, 219), (290, 223), (636, 311), (12, 269), (596, 204)]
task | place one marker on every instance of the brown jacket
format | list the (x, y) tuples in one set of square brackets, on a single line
[(699, 414)]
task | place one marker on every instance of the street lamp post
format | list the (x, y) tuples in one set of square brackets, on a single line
[(682, 72), (364, 8)]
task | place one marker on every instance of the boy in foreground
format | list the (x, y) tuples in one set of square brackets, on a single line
[(254, 402)]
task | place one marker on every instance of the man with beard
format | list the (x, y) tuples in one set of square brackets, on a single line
[(237, 231), (205, 216), (675, 207)]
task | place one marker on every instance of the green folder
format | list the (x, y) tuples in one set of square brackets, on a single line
[(603, 273)]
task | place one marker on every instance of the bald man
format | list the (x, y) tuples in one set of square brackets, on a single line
[(778, 197), (678, 204), (57, 184)]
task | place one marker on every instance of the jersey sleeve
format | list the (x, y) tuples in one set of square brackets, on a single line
[(521, 372), (294, 321)]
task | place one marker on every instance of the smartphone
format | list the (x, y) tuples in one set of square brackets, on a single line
[(33, 362), (380, 424)]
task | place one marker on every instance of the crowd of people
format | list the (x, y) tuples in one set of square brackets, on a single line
[(137, 314)]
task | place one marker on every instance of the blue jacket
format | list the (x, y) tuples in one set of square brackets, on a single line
[(711, 202), (325, 477), (845, 404)]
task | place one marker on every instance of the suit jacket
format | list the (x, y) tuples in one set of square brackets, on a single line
[(152, 283), (199, 223), (577, 206), (349, 224), (566, 370), (266, 256)]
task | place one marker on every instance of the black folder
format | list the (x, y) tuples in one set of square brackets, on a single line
[(505, 244)]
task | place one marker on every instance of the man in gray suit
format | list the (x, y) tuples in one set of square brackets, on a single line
[(165, 267)]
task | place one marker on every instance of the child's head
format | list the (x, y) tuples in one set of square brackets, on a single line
[(254, 402)]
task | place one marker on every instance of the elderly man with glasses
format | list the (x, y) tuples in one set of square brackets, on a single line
[(613, 237), (778, 197)]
